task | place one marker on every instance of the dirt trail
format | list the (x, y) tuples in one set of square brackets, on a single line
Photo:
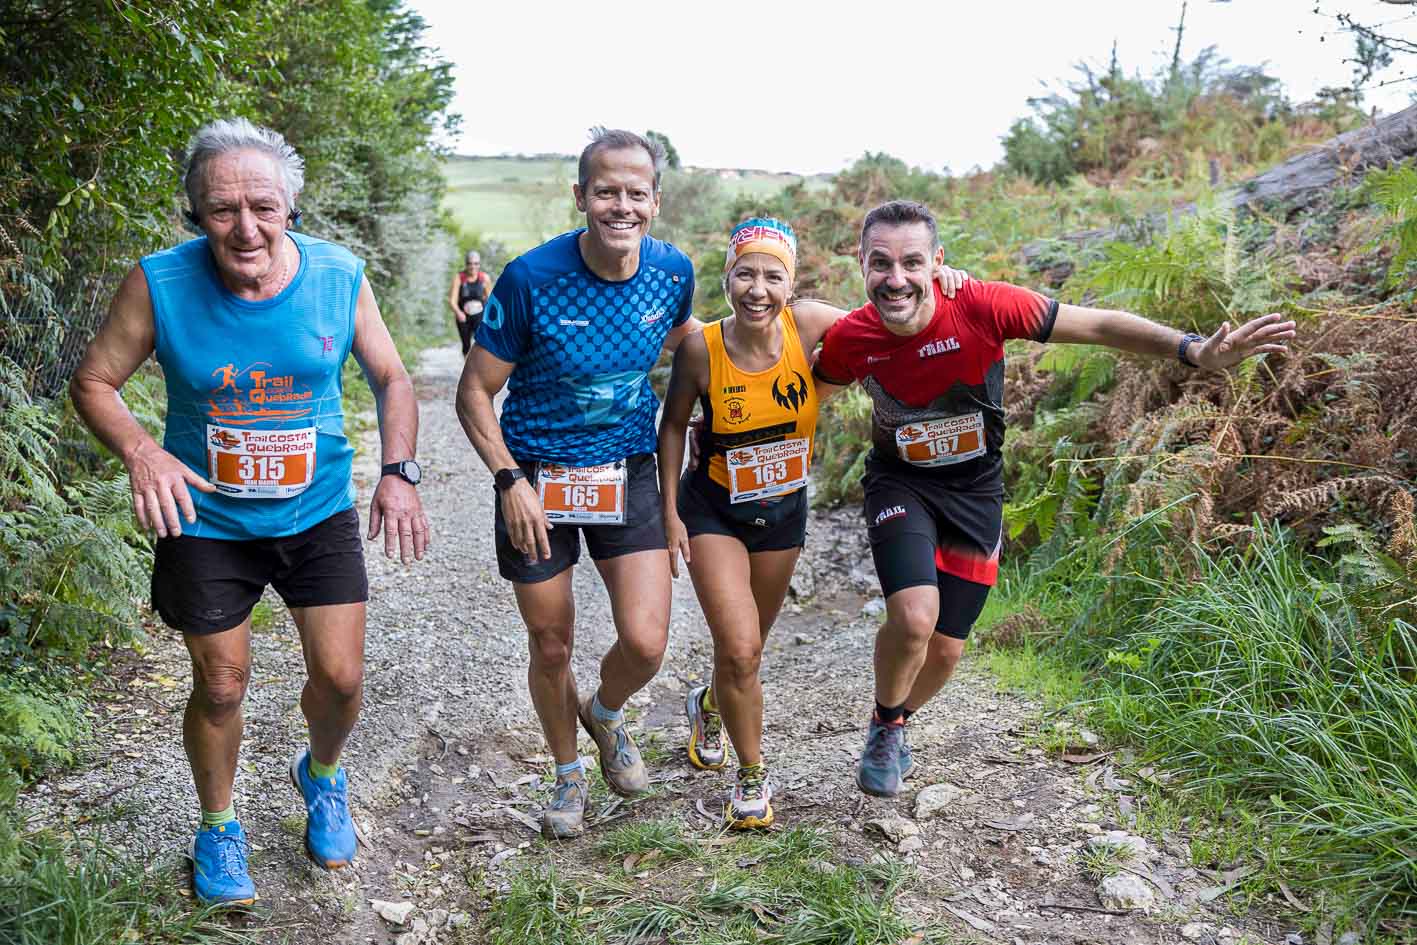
[(448, 767)]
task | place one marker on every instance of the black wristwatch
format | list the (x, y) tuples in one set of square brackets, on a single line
[(503, 478), (1186, 341), (408, 470)]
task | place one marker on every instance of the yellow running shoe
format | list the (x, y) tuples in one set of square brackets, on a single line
[(706, 748), (751, 806)]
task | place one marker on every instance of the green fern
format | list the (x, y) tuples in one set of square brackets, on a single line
[(1394, 191), (72, 561), (1194, 274)]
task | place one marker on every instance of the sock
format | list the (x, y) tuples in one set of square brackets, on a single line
[(890, 715), (219, 817), (601, 714), (570, 768), (706, 701), (318, 770), (759, 767), (905, 713)]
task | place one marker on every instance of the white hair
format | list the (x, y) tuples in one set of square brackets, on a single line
[(226, 135)]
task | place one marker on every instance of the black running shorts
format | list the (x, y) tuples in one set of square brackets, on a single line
[(773, 525), (207, 585), (925, 530), (643, 529)]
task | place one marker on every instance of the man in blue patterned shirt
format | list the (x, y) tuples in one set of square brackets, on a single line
[(572, 329)]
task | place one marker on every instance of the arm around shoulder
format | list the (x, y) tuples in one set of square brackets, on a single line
[(813, 318)]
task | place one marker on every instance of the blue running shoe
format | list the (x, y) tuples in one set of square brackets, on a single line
[(329, 831), (219, 876), (879, 770), (907, 758)]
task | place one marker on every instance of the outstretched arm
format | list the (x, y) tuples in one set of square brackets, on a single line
[(1077, 324), (158, 479)]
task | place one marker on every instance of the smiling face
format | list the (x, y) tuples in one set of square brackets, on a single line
[(619, 199), (758, 288), (244, 212), (898, 261)]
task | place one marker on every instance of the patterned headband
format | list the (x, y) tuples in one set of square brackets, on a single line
[(763, 235)]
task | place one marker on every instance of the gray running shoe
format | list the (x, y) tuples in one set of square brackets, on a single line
[(879, 770), (907, 759), (620, 762), (705, 733), (564, 817)]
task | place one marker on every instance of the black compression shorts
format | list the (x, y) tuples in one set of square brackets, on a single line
[(925, 530)]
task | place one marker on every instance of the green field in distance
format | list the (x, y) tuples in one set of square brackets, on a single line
[(523, 201)]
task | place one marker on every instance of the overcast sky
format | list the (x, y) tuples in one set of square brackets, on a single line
[(809, 85)]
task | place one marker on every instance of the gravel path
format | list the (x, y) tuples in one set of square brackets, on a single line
[(448, 768)]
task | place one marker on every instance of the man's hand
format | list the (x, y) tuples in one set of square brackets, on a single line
[(696, 430), (950, 280), (159, 482), (1227, 348), (397, 510), (678, 537), (527, 524)]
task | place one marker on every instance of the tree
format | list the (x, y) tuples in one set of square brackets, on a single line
[(671, 153)]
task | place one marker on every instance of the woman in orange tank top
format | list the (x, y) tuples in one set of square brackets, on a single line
[(739, 518)]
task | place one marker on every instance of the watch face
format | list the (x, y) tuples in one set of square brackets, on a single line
[(412, 471)]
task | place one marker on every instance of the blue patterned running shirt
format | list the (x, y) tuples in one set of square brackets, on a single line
[(583, 348)]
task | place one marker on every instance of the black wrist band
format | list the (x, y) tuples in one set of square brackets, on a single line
[(1186, 340)]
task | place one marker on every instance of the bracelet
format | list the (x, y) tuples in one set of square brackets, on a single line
[(1186, 340)]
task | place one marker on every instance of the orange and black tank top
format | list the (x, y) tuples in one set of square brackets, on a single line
[(761, 424)]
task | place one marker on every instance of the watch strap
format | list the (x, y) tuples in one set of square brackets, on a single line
[(503, 479), (1187, 340)]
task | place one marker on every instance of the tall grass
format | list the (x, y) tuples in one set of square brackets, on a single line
[(64, 890), (1257, 675)]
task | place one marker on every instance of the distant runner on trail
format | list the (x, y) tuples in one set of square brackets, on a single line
[(270, 463), (467, 297), (934, 369), (739, 518), (572, 330)]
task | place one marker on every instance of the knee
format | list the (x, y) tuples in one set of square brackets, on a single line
[(219, 690), (550, 649), (945, 652), (738, 666), (914, 621), (341, 683), (645, 648)]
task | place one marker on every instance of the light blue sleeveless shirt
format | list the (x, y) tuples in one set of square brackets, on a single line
[(254, 392)]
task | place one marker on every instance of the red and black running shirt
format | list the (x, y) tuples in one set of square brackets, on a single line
[(938, 396)]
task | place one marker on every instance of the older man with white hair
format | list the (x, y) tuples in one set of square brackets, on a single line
[(251, 485)]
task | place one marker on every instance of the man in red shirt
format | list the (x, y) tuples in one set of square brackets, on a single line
[(934, 368)]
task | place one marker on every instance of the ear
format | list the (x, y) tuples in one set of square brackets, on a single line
[(655, 211), (192, 217), (939, 257), (580, 197), (861, 257)]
